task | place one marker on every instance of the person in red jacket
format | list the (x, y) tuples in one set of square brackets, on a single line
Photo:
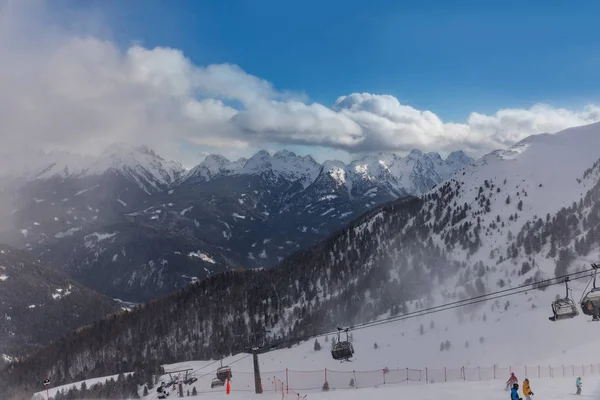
[(511, 381)]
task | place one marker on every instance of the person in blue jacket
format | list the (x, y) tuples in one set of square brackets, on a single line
[(514, 392), (578, 385)]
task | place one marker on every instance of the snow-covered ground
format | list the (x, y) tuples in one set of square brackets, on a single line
[(544, 389), (506, 340)]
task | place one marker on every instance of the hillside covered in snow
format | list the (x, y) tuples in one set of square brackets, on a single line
[(39, 305), (515, 217)]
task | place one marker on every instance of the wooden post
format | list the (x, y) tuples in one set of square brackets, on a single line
[(287, 383), (426, 375), (445, 375), (494, 371)]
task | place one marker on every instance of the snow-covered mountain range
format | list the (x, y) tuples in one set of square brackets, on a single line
[(413, 174), (128, 222), (516, 216)]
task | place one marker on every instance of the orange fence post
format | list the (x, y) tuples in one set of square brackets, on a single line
[(426, 375), (445, 375), (287, 384)]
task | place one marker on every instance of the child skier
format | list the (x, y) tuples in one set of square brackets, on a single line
[(527, 389), (578, 384), (514, 392), (511, 381), (162, 391)]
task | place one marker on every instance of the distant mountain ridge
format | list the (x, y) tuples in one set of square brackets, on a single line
[(411, 174), (128, 223)]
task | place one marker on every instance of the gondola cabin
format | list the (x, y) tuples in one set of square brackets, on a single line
[(224, 373)]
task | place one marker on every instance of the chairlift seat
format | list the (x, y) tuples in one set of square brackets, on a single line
[(216, 382), (224, 373), (342, 351), (564, 309), (590, 305)]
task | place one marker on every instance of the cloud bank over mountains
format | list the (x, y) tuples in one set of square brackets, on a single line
[(65, 90)]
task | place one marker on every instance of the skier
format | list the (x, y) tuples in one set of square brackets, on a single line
[(514, 392), (162, 391), (527, 389), (511, 381), (578, 384)]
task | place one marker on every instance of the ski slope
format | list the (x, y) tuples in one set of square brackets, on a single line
[(512, 338), (544, 389)]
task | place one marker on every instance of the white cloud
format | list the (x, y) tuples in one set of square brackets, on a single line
[(60, 90)]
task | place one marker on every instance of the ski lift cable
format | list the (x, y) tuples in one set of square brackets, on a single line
[(484, 297), (449, 308), (461, 303), (214, 362)]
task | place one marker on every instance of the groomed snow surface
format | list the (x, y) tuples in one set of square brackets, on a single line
[(546, 389), (508, 339)]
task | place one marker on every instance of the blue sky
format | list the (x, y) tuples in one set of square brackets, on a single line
[(452, 57), (434, 75)]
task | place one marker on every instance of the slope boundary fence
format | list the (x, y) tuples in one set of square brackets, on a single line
[(295, 384)]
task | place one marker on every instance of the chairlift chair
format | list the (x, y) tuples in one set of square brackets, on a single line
[(190, 380), (216, 382), (564, 308), (342, 351), (590, 304), (224, 372)]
